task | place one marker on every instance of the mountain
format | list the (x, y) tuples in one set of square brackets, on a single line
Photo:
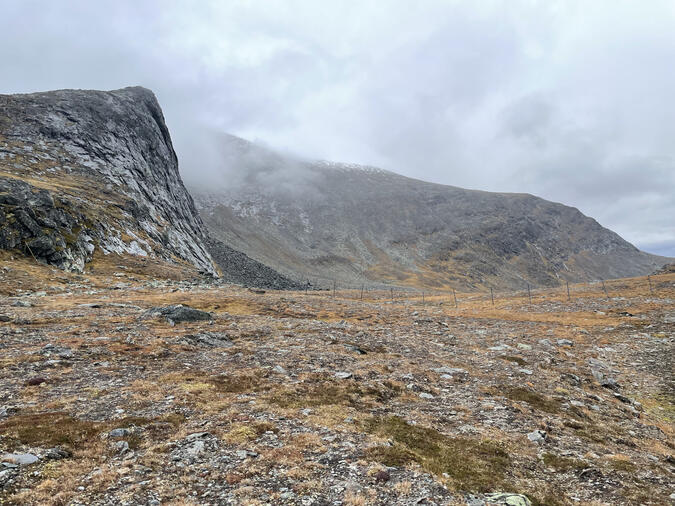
[(329, 221), (87, 172)]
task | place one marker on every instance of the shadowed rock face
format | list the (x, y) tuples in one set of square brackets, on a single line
[(360, 224), (81, 170)]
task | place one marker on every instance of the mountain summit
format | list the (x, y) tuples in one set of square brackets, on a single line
[(326, 221)]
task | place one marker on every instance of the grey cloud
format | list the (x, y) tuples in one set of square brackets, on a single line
[(567, 100)]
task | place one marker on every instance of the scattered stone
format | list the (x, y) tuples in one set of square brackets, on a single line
[(425, 395), (179, 313), (525, 371), (57, 454), (537, 436), (500, 499), (343, 375), (565, 342), (452, 371), (279, 369), (21, 459), (120, 432), (35, 381)]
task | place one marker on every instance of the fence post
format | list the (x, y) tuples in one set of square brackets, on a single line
[(362, 291), (455, 296), (492, 296), (568, 290), (392, 294), (649, 280), (333, 288), (529, 295), (422, 298)]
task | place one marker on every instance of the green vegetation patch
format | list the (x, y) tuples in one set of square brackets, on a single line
[(472, 465), (563, 463), (534, 399), (50, 429)]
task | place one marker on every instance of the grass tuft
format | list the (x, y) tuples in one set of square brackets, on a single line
[(471, 465)]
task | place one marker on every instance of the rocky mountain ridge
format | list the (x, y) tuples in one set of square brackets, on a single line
[(328, 221), (86, 169)]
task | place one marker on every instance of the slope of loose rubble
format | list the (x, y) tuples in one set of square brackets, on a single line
[(110, 396)]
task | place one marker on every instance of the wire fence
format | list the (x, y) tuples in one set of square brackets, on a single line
[(652, 285)]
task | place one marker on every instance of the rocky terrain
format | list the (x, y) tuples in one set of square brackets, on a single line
[(123, 387), (87, 173), (329, 221), (87, 170)]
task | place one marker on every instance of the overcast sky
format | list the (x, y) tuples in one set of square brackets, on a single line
[(571, 101)]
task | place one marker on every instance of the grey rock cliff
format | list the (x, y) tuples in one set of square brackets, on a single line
[(82, 170)]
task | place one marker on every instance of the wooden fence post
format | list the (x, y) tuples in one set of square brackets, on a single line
[(649, 280), (492, 296), (334, 286), (455, 296), (568, 290), (529, 295)]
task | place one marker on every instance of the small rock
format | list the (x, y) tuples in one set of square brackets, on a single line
[(119, 432), (508, 499), (525, 371), (500, 347), (5, 318), (355, 349), (38, 380), (122, 447), (537, 436), (382, 476), (565, 342), (196, 448), (21, 459), (425, 395), (523, 346), (611, 384), (279, 369), (180, 313), (343, 375), (57, 454), (196, 435), (450, 371)]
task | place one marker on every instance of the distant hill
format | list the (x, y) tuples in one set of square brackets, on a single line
[(354, 224)]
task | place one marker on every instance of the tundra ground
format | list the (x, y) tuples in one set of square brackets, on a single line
[(306, 398)]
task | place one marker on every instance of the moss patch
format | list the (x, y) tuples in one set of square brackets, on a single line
[(534, 399), (472, 465), (50, 429), (563, 463)]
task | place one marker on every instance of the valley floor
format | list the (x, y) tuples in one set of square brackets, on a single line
[(294, 398)]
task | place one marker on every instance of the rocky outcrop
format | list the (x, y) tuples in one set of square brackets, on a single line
[(326, 221), (87, 170)]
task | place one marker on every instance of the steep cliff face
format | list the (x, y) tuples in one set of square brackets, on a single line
[(82, 171), (358, 224)]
